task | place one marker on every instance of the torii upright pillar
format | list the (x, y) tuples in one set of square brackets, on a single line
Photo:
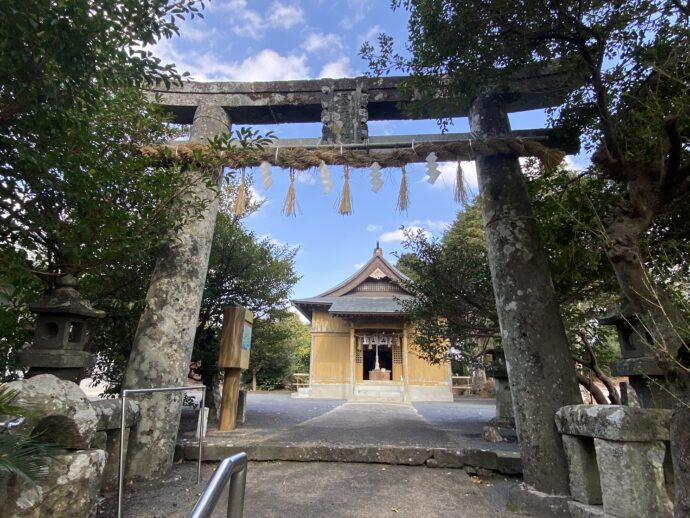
[(163, 343), (540, 370)]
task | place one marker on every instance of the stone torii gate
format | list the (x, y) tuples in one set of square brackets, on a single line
[(541, 376)]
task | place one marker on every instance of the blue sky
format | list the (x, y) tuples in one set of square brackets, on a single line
[(272, 40)]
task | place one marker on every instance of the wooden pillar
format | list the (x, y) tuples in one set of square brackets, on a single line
[(352, 358), (233, 356), (227, 420), (162, 346), (541, 371), (406, 370)]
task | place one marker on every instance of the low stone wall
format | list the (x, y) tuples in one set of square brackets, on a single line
[(618, 459), (109, 415), (88, 431)]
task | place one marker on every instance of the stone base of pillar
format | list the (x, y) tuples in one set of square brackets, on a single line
[(525, 499)]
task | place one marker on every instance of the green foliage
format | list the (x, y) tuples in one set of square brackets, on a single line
[(278, 347), (20, 455), (461, 49), (453, 301), (243, 271), (75, 196), (453, 304)]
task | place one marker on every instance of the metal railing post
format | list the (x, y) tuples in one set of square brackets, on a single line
[(238, 483), (121, 470), (231, 473)]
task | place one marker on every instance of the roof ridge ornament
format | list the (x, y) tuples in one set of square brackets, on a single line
[(377, 251)]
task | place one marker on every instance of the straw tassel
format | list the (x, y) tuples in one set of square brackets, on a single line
[(403, 199), (240, 204), (460, 190), (345, 205), (290, 206)]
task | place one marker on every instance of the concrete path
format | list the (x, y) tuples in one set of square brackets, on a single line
[(280, 428), (319, 490), (370, 424)]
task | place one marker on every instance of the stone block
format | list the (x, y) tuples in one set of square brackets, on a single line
[(580, 510), (58, 408), (69, 489), (242, 407), (112, 464), (632, 478), (443, 458), (509, 462), (109, 414), (486, 459), (525, 499), (582, 467), (614, 422), (504, 399), (100, 440)]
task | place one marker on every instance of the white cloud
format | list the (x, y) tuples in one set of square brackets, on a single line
[(285, 16), (371, 35), (357, 266), (396, 236), (430, 224), (305, 177), (336, 69), (253, 24), (196, 31), (374, 228), (265, 65), (358, 10), (575, 163), (448, 173), (319, 41)]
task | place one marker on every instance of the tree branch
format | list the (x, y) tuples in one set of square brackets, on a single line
[(596, 392)]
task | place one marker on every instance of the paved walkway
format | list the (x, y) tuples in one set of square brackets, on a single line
[(320, 490), (279, 427)]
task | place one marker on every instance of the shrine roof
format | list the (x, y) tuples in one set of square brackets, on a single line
[(377, 288)]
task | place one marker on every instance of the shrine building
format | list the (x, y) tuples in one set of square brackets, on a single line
[(362, 342)]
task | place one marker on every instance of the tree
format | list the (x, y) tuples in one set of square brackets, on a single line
[(75, 196), (631, 107), (243, 271), (278, 349), (453, 300)]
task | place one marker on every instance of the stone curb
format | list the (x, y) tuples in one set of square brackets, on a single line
[(473, 460)]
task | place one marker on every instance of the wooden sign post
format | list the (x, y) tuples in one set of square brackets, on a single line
[(235, 345)]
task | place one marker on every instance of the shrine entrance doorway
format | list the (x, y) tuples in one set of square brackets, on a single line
[(378, 355)]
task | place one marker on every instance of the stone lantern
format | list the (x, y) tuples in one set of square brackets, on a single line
[(637, 361), (61, 333), (495, 365)]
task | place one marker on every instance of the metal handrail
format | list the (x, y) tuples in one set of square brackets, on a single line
[(125, 392), (234, 470)]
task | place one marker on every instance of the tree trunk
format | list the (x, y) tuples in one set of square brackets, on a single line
[(253, 380), (162, 347), (540, 371)]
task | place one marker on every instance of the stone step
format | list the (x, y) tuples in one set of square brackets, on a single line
[(216, 448), (379, 392)]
